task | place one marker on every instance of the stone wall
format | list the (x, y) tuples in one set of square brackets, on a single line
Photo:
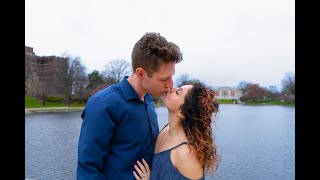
[(42, 74)]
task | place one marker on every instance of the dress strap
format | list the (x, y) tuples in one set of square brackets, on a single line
[(179, 145), (164, 127)]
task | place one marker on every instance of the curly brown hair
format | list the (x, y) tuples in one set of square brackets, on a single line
[(152, 50), (200, 103)]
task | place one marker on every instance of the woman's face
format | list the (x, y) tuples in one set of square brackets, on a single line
[(175, 97)]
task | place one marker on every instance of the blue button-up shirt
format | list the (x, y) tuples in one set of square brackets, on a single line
[(118, 129)]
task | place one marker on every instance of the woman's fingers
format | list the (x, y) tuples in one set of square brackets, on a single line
[(143, 169), (146, 165), (136, 176), (140, 173)]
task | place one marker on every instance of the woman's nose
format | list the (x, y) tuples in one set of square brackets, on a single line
[(172, 90)]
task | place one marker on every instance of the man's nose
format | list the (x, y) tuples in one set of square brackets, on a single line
[(169, 84)]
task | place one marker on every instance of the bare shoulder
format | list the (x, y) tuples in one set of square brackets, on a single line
[(186, 162)]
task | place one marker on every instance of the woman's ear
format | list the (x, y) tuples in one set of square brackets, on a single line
[(181, 115)]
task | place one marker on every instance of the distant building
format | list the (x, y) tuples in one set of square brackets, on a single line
[(227, 93), (42, 73), (29, 51)]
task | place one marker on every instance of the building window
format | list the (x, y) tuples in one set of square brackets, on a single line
[(233, 93), (224, 93)]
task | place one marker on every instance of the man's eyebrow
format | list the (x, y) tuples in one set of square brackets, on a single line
[(165, 78)]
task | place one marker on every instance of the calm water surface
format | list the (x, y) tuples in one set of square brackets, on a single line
[(255, 143)]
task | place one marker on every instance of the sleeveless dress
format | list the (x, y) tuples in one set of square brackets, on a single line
[(163, 169)]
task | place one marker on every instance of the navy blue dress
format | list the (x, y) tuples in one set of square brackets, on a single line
[(162, 167)]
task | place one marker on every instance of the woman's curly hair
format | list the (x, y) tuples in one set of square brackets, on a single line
[(200, 103), (152, 50)]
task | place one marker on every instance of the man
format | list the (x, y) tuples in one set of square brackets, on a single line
[(120, 123)]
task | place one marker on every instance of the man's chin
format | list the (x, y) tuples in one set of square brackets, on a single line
[(163, 96), (155, 95)]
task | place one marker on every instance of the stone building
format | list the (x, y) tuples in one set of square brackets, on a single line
[(29, 51), (42, 73), (227, 93)]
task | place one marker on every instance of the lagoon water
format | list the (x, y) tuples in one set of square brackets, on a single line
[(255, 143)]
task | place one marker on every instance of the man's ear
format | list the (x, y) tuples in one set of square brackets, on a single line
[(139, 73), (181, 115)]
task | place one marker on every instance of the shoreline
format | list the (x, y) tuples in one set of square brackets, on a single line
[(75, 109), (52, 109)]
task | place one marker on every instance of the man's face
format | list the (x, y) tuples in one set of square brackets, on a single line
[(161, 81)]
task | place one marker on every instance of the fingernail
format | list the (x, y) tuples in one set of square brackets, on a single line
[(143, 159)]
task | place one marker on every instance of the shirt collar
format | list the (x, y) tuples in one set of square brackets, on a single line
[(129, 93)]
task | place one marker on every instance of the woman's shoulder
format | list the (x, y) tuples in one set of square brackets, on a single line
[(186, 162)]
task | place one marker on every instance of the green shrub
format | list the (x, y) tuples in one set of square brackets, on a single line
[(226, 101)]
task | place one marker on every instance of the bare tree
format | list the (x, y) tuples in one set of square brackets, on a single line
[(43, 93), (273, 89), (288, 83), (243, 86), (272, 92), (109, 80), (117, 69), (182, 79), (185, 79), (69, 75), (80, 90), (254, 93), (99, 87)]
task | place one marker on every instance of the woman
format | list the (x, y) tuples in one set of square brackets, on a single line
[(184, 148)]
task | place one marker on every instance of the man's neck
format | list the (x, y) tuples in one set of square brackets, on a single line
[(135, 82)]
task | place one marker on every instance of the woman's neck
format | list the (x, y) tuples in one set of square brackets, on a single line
[(175, 125)]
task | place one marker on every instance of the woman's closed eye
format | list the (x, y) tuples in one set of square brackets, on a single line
[(179, 91)]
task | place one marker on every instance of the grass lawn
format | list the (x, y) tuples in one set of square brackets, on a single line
[(32, 102), (226, 101), (271, 102)]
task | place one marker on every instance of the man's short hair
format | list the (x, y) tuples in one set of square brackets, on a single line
[(152, 50)]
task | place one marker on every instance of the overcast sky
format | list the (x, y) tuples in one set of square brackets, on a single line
[(223, 41)]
